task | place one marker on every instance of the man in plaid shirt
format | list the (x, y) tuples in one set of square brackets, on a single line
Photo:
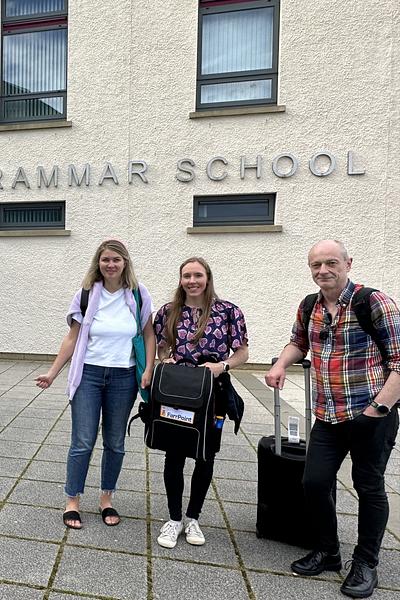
[(354, 393)]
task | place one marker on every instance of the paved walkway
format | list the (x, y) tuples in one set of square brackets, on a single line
[(41, 560)]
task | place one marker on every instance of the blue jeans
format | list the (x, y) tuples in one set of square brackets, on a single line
[(111, 392)]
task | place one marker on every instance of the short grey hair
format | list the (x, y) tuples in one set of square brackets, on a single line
[(339, 243)]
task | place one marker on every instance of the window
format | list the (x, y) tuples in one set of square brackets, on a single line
[(34, 60), (235, 209), (237, 53), (32, 215)]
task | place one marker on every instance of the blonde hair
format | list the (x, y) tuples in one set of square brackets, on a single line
[(128, 277), (178, 302)]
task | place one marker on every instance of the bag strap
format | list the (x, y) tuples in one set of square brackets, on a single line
[(361, 304), (308, 305), (84, 301), (139, 304)]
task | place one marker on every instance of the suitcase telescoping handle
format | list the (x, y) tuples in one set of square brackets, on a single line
[(306, 364)]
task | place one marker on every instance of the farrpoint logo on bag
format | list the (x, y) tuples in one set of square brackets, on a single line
[(177, 414)]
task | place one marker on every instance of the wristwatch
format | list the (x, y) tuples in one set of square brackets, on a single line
[(225, 367), (381, 408)]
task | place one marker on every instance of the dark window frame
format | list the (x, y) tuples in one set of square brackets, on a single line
[(31, 224), (29, 24), (229, 200), (238, 76)]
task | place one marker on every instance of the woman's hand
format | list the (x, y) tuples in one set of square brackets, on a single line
[(44, 381), (146, 378), (215, 368), (169, 360)]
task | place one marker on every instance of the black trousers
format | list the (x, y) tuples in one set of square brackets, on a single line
[(370, 441), (174, 484)]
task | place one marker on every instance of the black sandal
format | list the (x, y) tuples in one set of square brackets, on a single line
[(72, 515), (109, 512)]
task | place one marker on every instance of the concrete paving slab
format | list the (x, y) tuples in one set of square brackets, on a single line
[(59, 438), (241, 516), (347, 530), (32, 522), (16, 434), (268, 585), (238, 491), (25, 561), (129, 535), (18, 592), (21, 449), (12, 467), (229, 469), (38, 493), (346, 502), (245, 453), (48, 453), (393, 482), (103, 573), (181, 580), (27, 423), (6, 484)]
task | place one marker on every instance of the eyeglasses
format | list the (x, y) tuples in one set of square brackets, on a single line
[(324, 333)]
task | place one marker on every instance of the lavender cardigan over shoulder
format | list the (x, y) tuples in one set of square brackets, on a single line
[(78, 357)]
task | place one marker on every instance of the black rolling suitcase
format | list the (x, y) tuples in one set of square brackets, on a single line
[(282, 514)]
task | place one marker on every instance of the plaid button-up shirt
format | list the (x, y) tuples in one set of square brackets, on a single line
[(347, 367)]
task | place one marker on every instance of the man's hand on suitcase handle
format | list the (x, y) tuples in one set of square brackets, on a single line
[(277, 374), (276, 377)]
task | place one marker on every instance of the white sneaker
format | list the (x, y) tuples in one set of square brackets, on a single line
[(194, 535), (169, 534)]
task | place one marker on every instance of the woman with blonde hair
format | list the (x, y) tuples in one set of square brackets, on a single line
[(102, 378), (199, 328)]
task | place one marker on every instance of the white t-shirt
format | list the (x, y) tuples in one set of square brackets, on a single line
[(111, 332)]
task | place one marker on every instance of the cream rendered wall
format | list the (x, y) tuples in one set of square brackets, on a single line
[(131, 86)]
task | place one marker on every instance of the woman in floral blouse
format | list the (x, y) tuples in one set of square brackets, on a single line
[(198, 327)]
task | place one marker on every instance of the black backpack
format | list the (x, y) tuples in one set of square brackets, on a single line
[(180, 413), (362, 309)]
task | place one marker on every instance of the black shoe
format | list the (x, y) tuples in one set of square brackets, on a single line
[(361, 580), (315, 562)]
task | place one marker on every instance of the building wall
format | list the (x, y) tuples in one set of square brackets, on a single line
[(131, 87)]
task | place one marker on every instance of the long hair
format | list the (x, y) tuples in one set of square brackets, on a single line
[(179, 300), (128, 277)]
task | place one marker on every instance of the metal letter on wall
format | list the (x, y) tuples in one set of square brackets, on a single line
[(350, 165), (41, 176), (108, 173), (313, 167), (209, 166), (256, 165), (20, 177), (134, 171), (1, 175), (293, 169), (181, 166), (74, 177)]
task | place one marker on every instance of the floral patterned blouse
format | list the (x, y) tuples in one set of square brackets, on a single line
[(225, 331)]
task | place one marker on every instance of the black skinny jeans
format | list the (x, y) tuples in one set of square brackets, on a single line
[(174, 484), (370, 441)]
